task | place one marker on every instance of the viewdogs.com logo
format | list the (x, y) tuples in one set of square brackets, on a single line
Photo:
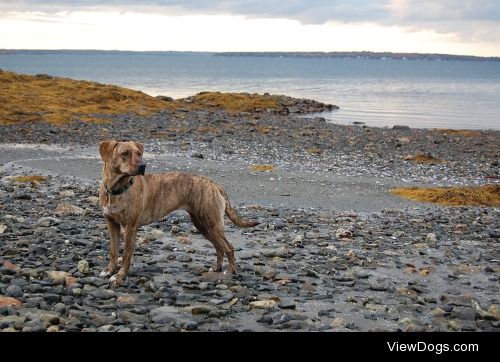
[(437, 348)]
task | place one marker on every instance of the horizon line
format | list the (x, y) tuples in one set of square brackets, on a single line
[(4, 50)]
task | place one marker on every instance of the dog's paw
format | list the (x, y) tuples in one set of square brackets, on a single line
[(116, 280), (105, 273)]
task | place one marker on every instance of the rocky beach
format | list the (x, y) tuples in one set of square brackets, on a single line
[(335, 250)]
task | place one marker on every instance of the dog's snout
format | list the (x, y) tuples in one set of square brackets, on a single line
[(142, 168)]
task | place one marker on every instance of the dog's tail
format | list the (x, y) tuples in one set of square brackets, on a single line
[(233, 215)]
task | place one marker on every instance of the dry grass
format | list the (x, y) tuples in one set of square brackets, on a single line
[(235, 102), (423, 158), (261, 168), (459, 132), (25, 98), (33, 179), (488, 195)]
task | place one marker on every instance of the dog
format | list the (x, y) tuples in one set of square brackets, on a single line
[(129, 198)]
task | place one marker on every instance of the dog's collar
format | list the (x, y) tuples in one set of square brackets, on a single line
[(120, 190)]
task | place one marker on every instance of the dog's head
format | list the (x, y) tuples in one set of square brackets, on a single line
[(123, 157)]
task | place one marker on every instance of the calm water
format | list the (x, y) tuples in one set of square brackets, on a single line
[(444, 94)]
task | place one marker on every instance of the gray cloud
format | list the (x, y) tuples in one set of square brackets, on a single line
[(472, 19)]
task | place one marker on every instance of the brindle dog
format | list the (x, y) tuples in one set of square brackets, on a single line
[(129, 199)]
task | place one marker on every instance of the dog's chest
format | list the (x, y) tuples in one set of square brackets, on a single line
[(114, 212)]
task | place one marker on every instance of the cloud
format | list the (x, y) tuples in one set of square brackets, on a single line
[(311, 11), (470, 19)]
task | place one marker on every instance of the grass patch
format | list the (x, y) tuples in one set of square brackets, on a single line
[(458, 132), (261, 168), (488, 195), (33, 179), (423, 158), (234, 102), (27, 98)]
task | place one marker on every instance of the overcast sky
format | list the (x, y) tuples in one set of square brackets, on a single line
[(443, 26)]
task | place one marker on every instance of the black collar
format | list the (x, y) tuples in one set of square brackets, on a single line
[(119, 190)]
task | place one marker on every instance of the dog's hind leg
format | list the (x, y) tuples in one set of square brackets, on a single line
[(204, 230), (228, 250), (114, 247)]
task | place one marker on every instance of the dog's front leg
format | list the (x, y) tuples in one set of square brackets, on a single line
[(130, 239), (114, 247)]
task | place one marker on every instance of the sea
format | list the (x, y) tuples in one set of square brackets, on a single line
[(454, 94)]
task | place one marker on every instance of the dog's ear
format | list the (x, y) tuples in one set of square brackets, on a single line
[(140, 146), (106, 150)]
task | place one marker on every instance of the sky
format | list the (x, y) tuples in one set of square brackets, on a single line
[(469, 27)]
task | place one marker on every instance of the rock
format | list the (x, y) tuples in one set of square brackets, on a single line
[(263, 304), (83, 266), (14, 291), (338, 323), (11, 268), (66, 193), (67, 209), (154, 234), (2, 228), (265, 320), (100, 293), (286, 303), (437, 312), (378, 287), (400, 128), (464, 313), (202, 309), (94, 200), (165, 98), (215, 276), (9, 301), (12, 320), (403, 140), (240, 291), (196, 155), (129, 317), (342, 233), (311, 273), (60, 308), (431, 237), (94, 281), (493, 312), (47, 221), (190, 326), (51, 298), (126, 299), (164, 315), (58, 277)]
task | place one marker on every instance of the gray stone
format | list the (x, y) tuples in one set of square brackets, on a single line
[(129, 317), (287, 303), (14, 291), (164, 315), (100, 293)]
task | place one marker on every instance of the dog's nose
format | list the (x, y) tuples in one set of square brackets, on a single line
[(142, 169)]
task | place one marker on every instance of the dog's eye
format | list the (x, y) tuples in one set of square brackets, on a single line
[(125, 153), (139, 154)]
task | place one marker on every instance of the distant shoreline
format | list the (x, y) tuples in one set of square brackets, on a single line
[(361, 55), (277, 54)]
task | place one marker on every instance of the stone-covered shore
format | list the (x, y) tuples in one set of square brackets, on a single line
[(416, 268)]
